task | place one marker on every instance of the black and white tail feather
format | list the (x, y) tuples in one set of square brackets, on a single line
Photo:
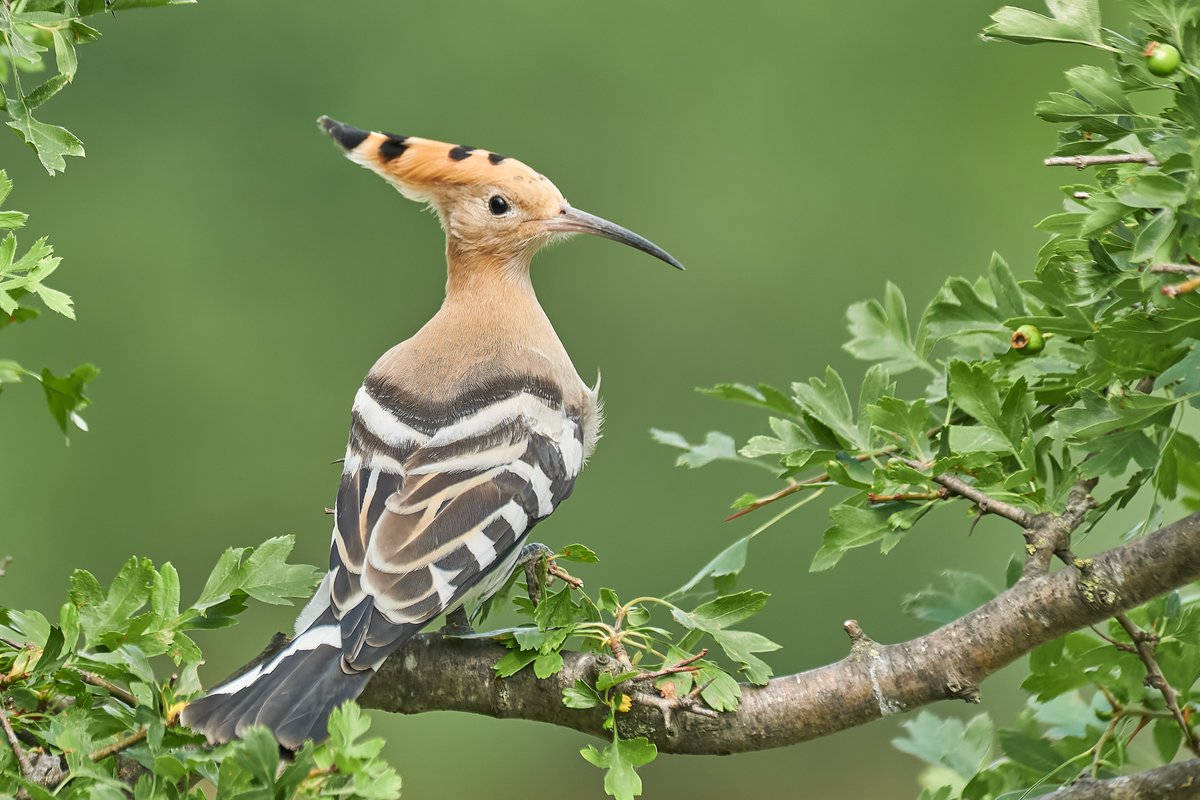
[(434, 506)]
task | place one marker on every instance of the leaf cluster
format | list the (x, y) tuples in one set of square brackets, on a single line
[(87, 697)]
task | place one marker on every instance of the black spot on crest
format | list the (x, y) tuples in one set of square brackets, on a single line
[(496, 158), (460, 152), (393, 147)]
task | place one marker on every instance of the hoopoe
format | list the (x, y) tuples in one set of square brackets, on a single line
[(461, 439)]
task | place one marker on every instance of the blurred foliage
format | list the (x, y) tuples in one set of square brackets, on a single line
[(30, 31), (93, 717), (1113, 313)]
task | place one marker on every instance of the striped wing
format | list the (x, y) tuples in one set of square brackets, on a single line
[(433, 508)]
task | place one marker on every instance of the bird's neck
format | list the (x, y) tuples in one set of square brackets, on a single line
[(493, 283)]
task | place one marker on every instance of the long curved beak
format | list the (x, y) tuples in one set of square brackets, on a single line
[(572, 220)]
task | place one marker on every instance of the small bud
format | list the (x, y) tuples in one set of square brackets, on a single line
[(625, 704)]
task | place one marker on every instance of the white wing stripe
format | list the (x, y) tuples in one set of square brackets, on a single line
[(309, 640), (382, 423), (540, 483)]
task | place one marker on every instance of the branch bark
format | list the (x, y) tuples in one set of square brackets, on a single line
[(433, 673), (1171, 782)]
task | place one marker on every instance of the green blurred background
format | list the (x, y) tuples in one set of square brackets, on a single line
[(236, 277)]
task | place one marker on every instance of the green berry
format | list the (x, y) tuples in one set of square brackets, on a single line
[(1028, 340), (1161, 59)]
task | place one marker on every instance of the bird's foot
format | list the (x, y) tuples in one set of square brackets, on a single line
[(457, 624), (540, 570)]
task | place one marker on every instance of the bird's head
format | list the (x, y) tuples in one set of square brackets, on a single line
[(490, 205)]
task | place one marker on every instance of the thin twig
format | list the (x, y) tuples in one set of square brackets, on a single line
[(103, 683), (15, 744), (941, 494), (119, 745), (1183, 287), (1154, 676), (986, 503), (554, 569), (790, 489), (682, 666), (1124, 648), (1176, 269), (1083, 162), (1109, 730)]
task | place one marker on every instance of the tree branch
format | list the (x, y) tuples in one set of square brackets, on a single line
[(1171, 782), (436, 674), (1083, 162), (1143, 644)]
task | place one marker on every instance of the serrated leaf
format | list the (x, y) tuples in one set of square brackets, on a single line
[(828, 403), (948, 743), (880, 333), (51, 142), (1075, 21), (1152, 236), (763, 396), (580, 696), (852, 527), (620, 760), (964, 592), (1029, 751), (579, 553)]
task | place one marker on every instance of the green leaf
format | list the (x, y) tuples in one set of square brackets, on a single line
[(724, 612), (964, 592), (721, 692), (880, 333), (51, 142), (1073, 21), (262, 573), (1099, 416), (580, 696), (977, 439), (513, 662), (1168, 736), (1152, 236), (267, 577), (852, 527), (828, 403), (579, 553), (906, 423), (974, 391), (948, 743), (763, 396), (715, 447), (740, 646), (1152, 190), (64, 53), (1183, 377), (620, 760), (65, 397), (1030, 751), (547, 664)]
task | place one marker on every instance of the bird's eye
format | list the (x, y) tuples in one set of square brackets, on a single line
[(498, 205)]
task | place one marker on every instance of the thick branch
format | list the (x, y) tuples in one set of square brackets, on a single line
[(436, 674), (1171, 782)]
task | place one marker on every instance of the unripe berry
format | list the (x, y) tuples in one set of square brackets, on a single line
[(1028, 340), (1161, 59)]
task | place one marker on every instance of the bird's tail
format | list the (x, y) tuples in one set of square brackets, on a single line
[(292, 693)]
